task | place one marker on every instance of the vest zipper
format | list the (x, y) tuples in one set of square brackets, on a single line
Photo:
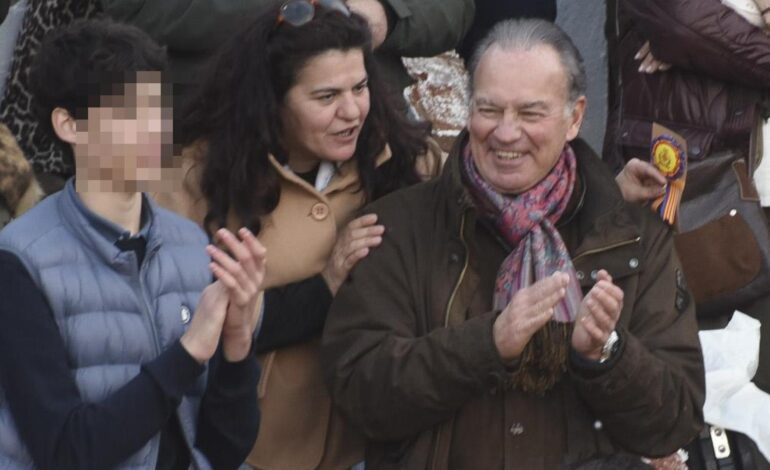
[(436, 446), (606, 248), (146, 303)]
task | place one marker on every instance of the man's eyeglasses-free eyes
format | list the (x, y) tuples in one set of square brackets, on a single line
[(300, 12)]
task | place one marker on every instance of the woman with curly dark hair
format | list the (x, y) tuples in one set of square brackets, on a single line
[(292, 133)]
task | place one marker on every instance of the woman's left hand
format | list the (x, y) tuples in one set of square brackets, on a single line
[(352, 245), (242, 275)]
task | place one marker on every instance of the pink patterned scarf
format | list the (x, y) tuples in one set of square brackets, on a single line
[(527, 222)]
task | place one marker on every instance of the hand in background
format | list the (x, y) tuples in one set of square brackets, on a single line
[(640, 181), (649, 63), (375, 15)]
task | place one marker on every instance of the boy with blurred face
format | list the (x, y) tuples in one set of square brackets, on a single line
[(117, 350)]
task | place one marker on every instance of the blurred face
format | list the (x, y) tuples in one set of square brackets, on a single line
[(324, 111), (124, 141), (520, 117)]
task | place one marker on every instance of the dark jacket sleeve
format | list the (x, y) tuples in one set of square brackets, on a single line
[(185, 25), (229, 416), (293, 313), (651, 400), (427, 27), (387, 378), (705, 37)]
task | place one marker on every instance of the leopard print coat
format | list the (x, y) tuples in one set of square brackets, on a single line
[(19, 190), (46, 154)]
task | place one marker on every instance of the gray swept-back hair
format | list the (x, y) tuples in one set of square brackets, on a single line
[(525, 34)]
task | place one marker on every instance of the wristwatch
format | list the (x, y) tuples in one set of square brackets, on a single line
[(610, 347)]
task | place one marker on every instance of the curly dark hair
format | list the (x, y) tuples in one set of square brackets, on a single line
[(236, 112), (91, 58)]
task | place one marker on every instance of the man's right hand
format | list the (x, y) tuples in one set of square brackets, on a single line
[(528, 311)]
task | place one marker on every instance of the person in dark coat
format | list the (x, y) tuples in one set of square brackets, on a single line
[(5, 5), (489, 12)]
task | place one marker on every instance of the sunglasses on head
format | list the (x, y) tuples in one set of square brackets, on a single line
[(300, 12)]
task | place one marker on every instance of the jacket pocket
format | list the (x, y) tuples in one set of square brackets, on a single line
[(709, 270)]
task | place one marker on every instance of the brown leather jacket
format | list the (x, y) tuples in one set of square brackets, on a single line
[(408, 351), (711, 95)]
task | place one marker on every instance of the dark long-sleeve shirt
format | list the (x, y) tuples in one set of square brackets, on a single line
[(294, 313), (63, 431)]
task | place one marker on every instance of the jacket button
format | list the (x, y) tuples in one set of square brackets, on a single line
[(598, 425), (695, 150), (580, 275), (594, 274), (319, 211), (454, 257), (185, 314), (633, 263), (517, 429)]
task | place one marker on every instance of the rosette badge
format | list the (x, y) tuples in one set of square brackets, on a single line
[(668, 152)]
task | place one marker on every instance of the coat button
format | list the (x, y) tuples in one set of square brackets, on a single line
[(517, 429), (580, 275), (185, 314), (454, 257), (594, 274), (598, 425), (320, 211), (633, 263), (695, 150)]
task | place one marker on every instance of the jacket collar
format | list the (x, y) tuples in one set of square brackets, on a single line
[(600, 214), (346, 176), (100, 234)]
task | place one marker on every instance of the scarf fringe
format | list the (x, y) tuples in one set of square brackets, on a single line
[(544, 359)]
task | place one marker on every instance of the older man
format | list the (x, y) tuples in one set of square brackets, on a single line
[(518, 313)]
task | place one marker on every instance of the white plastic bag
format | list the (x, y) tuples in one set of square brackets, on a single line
[(731, 357)]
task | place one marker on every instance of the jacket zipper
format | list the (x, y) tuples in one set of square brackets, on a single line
[(434, 464), (462, 273), (606, 248)]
